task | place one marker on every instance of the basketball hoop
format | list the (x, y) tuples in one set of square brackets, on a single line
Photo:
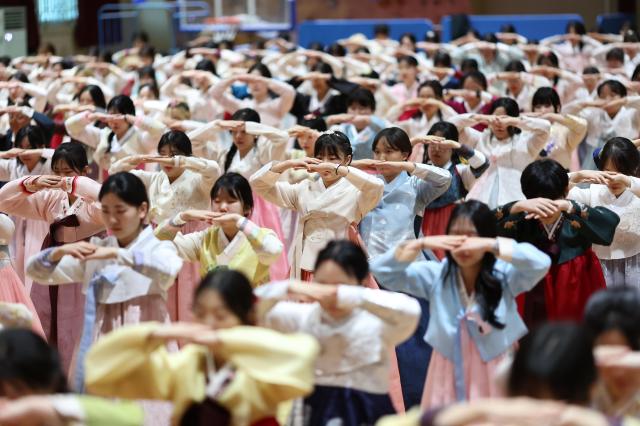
[(224, 28)]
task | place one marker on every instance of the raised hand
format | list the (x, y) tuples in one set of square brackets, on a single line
[(198, 215), (79, 250), (339, 118), (101, 253), (231, 124), (536, 208), (11, 153), (302, 163), (590, 176), (225, 218), (476, 244), (46, 182), (365, 164), (324, 168)]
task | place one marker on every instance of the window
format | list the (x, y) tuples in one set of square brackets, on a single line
[(57, 10)]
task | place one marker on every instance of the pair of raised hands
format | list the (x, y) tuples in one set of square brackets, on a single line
[(84, 251), (615, 181), (312, 165), (541, 208), (21, 153), (409, 250), (356, 120), (212, 218)]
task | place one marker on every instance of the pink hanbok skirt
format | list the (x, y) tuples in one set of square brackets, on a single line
[(267, 215), (12, 291), (479, 376), (180, 295)]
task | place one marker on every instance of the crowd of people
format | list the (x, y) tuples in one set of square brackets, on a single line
[(376, 231)]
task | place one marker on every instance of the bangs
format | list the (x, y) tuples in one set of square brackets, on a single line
[(325, 147)]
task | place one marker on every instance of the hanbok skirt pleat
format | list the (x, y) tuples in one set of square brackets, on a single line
[(435, 222), (70, 315), (180, 295), (266, 215), (622, 272), (563, 293), (479, 382), (329, 405), (12, 291)]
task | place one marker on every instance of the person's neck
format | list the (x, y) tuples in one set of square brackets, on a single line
[(470, 276), (322, 92), (173, 178), (244, 151), (327, 184), (230, 232), (409, 82), (391, 177), (121, 134), (260, 98), (124, 242)]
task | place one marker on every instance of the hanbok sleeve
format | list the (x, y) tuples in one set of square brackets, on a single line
[(79, 127), (434, 181), (275, 145), (187, 245), (276, 312), (371, 189), (129, 363), (415, 278), (266, 183), (468, 135), (535, 134), (399, 312), (597, 224), (267, 246), (151, 132), (528, 265), (160, 263), (67, 270), (220, 93), (208, 170)]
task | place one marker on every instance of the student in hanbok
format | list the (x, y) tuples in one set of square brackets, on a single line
[(12, 290), (233, 374), (612, 114), (254, 145), (443, 150), (183, 183), (29, 157), (329, 205), (359, 123), (232, 241), (126, 276), (473, 321), (357, 329), (617, 188), (612, 317), (67, 205), (408, 188), (563, 229), (510, 142), (567, 130), (261, 86), (124, 135)]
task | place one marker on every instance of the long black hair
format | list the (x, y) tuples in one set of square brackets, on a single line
[(348, 256), (27, 361), (238, 187), (622, 153), (488, 286), (244, 114), (235, 290), (97, 96)]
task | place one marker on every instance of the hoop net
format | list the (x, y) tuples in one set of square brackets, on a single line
[(224, 27)]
